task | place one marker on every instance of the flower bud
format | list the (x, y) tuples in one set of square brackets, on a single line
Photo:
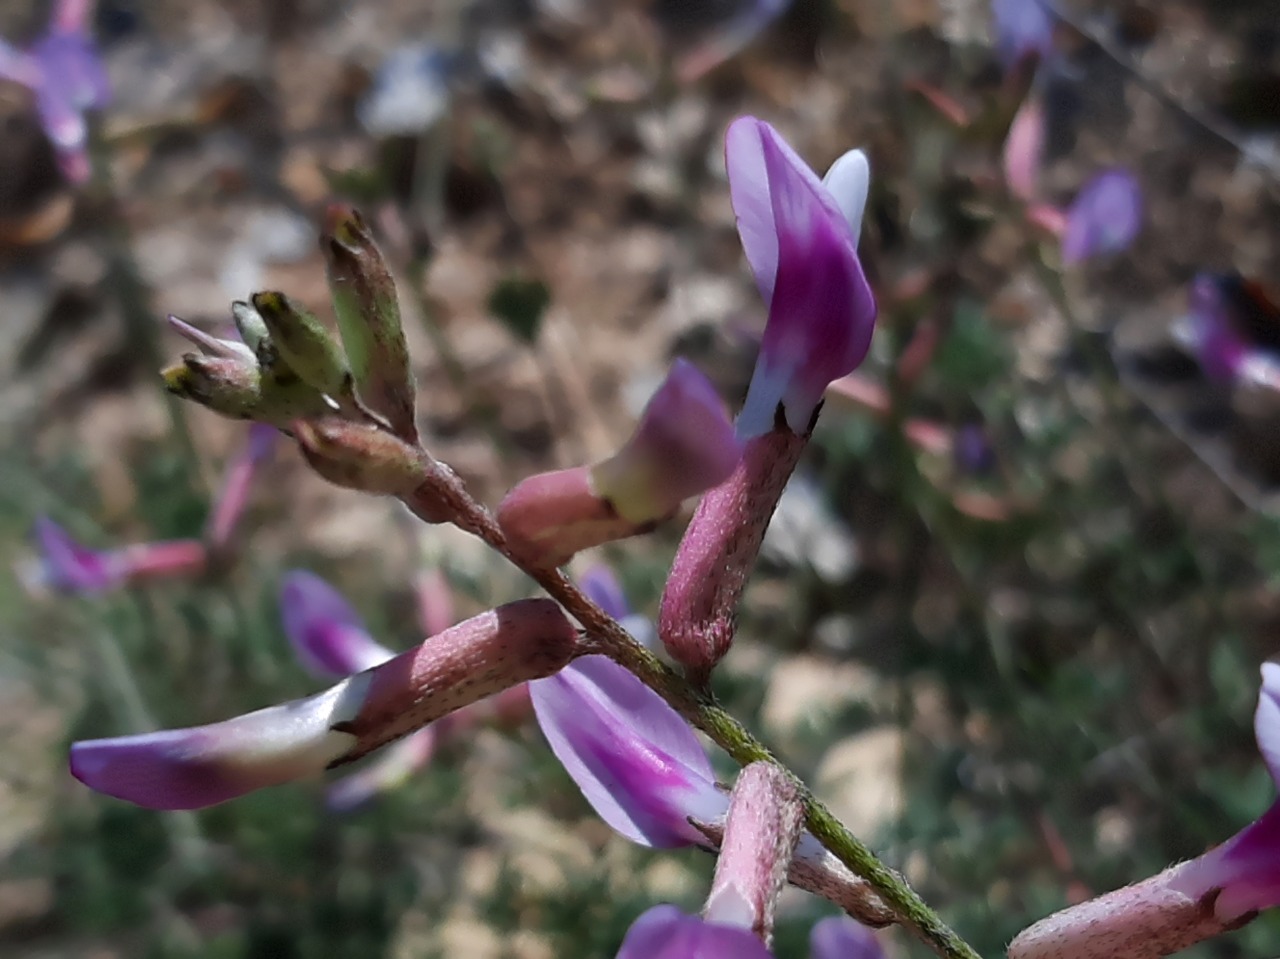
[(304, 344), (252, 328), (210, 345), (229, 387), (360, 456), (364, 300)]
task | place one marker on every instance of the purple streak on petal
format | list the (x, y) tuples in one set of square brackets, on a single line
[(326, 633), (603, 589), (70, 567), (205, 765), (636, 761), (1022, 27), (839, 937), (1105, 217), (385, 771), (683, 446), (664, 932)]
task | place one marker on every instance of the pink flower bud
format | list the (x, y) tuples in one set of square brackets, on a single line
[(361, 456)]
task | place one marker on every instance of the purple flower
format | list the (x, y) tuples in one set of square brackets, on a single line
[(839, 937), (327, 635), (1105, 217), (664, 932), (683, 445), (603, 589), (66, 74), (205, 765), (330, 640), (800, 236), (1208, 331), (1022, 27), (636, 761), (1245, 870), (66, 566)]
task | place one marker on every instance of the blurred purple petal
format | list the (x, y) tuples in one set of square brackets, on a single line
[(664, 932), (384, 772), (206, 765), (1022, 27), (804, 254), (17, 67), (638, 764), (731, 37), (683, 446), (839, 937), (603, 589), (326, 633), (69, 567), (1105, 217), (71, 70)]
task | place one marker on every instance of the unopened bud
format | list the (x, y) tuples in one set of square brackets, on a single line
[(229, 387), (210, 345), (360, 456), (251, 326), (364, 301), (304, 344)]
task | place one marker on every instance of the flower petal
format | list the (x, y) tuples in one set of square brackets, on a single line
[(603, 588), (849, 181), (683, 446), (839, 937), (383, 772), (664, 932), (804, 254), (70, 567), (636, 761), (1266, 721), (327, 635), (206, 765), (1104, 218)]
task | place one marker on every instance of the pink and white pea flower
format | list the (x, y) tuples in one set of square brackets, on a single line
[(67, 566), (800, 235), (665, 932)]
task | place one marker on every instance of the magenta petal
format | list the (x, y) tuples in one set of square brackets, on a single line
[(636, 761), (664, 932), (603, 589), (326, 633), (70, 567), (683, 446), (839, 937), (805, 257), (205, 765), (1105, 217)]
